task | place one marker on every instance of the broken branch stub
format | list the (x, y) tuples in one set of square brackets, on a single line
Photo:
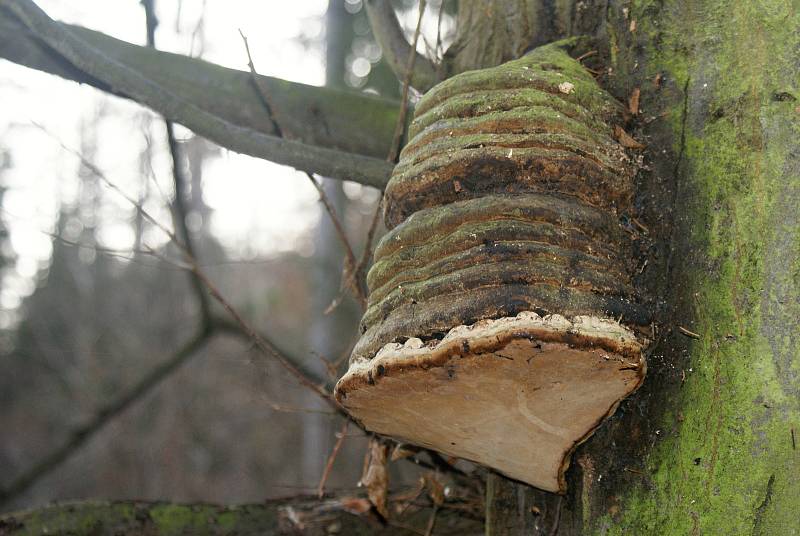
[(502, 315)]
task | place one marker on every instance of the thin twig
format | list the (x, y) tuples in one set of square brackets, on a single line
[(103, 416), (439, 51), (274, 406), (366, 254), (180, 211), (266, 98), (348, 277), (234, 328), (394, 149), (401, 118), (690, 334), (350, 259), (262, 344), (331, 459), (432, 520)]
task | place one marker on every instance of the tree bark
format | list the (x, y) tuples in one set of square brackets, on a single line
[(715, 427), (709, 445), (310, 517)]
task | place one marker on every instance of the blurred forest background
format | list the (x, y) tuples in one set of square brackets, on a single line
[(86, 312)]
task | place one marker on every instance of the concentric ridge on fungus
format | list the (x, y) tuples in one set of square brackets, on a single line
[(501, 306)]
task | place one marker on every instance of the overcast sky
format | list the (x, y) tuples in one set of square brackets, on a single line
[(259, 208), (251, 198)]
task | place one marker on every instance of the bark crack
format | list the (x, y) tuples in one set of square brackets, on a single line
[(676, 173), (762, 508)]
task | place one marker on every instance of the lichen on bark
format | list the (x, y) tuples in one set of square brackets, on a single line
[(723, 423)]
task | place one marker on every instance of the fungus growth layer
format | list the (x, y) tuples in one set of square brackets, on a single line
[(504, 220)]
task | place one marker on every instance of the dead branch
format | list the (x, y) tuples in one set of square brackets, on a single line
[(180, 211), (350, 272), (412, 58), (389, 34), (332, 458), (349, 279), (263, 344), (163, 371), (104, 415), (109, 71)]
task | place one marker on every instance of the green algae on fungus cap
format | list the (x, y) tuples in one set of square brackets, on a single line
[(537, 124), (517, 394)]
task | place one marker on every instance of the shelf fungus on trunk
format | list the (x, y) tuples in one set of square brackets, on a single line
[(502, 318)]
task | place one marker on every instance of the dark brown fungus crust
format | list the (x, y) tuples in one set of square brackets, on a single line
[(505, 203)]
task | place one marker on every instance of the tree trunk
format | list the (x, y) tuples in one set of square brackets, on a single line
[(708, 445)]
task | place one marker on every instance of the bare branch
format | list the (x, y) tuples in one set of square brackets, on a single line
[(266, 96), (103, 416), (179, 181), (163, 371), (264, 345), (293, 515), (361, 270), (332, 458), (349, 278), (407, 80), (168, 88), (366, 254), (234, 328), (396, 49), (439, 49)]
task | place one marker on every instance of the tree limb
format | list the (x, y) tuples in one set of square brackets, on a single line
[(161, 372), (349, 272), (179, 208), (106, 413), (387, 31), (296, 515), (334, 133)]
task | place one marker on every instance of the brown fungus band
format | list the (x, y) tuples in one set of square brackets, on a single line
[(498, 327)]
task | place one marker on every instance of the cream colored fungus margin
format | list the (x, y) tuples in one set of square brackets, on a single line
[(517, 393)]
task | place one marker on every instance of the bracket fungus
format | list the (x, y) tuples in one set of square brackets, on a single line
[(493, 328)]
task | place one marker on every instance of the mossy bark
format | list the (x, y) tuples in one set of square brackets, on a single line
[(723, 456), (310, 517), (709, 444)]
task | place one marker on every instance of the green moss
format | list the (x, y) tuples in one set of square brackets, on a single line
[(544, 69), (177, 519), (476, 103), (728, 465)]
